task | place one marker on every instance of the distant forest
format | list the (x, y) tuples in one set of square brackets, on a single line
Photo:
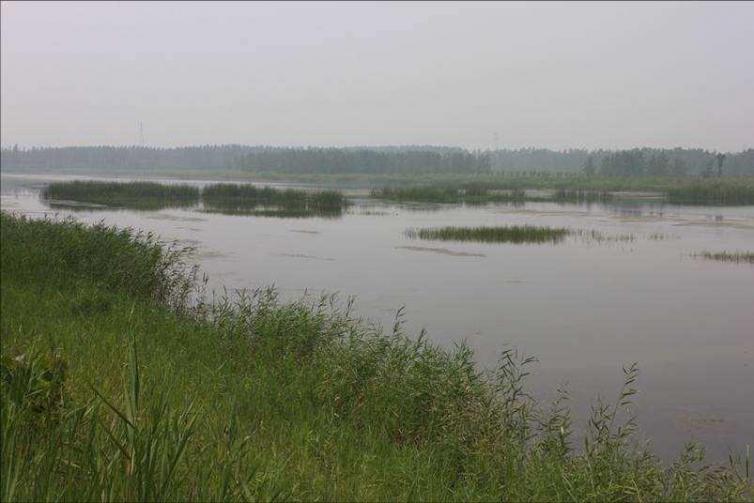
[(374, 160)]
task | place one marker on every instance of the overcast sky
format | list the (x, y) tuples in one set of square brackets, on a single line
[(511, 74)]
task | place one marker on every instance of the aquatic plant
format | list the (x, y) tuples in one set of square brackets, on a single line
[(714, 192), (501, 234), (133, 195), (571, 189), (724, 256), (247, 199)]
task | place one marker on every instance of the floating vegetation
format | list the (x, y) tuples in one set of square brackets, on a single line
[(246, 199), (503, 234), (106, 195), (724, 256)]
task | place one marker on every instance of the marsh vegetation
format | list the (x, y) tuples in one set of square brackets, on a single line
[(115, 387), (234, 199), (577, 189), (502, 234), (248, 199), (724, 256), (132, 195)]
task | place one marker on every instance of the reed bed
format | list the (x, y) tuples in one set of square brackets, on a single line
[(268, 201), (469, 193), (133, 195), (519, 234), (721, 192), (724, 256), (575, 189), (117, 388)]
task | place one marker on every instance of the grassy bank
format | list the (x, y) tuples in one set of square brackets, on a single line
[(114, 388), (501, 234), (134, 195)]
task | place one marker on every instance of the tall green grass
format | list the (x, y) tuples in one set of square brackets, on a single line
[(572, 189), (133, 195), (249, 199), (714, 192), (112, 390), (501, 234)]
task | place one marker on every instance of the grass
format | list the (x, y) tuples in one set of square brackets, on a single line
[(502, 234), (116, 387), (134, 195), (268, 201), (714, 191), (244, 199), (724, 256), (480, 193), (575, 189)]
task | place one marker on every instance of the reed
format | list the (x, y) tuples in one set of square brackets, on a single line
[(133, 195), (724, 256), (111, 391), (504, 234), (268, 201), (721, 192), (572, 189)]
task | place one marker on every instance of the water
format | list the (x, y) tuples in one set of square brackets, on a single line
[(583, 308)]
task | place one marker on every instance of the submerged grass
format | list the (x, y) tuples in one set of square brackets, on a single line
[(133, 195), (501, 234), (114, 387), (724, 256)]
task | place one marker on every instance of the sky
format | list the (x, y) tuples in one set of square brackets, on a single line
[(477, 75)]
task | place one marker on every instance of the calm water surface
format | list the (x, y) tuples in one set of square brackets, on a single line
[(582, 307)]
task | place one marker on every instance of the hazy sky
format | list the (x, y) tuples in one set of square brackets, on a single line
[(538, 74)]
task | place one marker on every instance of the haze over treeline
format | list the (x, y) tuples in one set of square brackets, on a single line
[(376, 160)]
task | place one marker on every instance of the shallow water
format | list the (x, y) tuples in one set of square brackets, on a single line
[(583, 307)]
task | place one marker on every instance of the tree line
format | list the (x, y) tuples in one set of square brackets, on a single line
[(389, 159)]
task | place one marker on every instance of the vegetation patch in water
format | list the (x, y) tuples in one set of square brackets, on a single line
[(501, 234), (575, 189), (723, 192), (133, 195), (724, 256), (246, 199)]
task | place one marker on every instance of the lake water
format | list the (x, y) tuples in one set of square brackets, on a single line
[(584, 308)]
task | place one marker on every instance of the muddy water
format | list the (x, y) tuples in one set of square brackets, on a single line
[(583, 307)]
